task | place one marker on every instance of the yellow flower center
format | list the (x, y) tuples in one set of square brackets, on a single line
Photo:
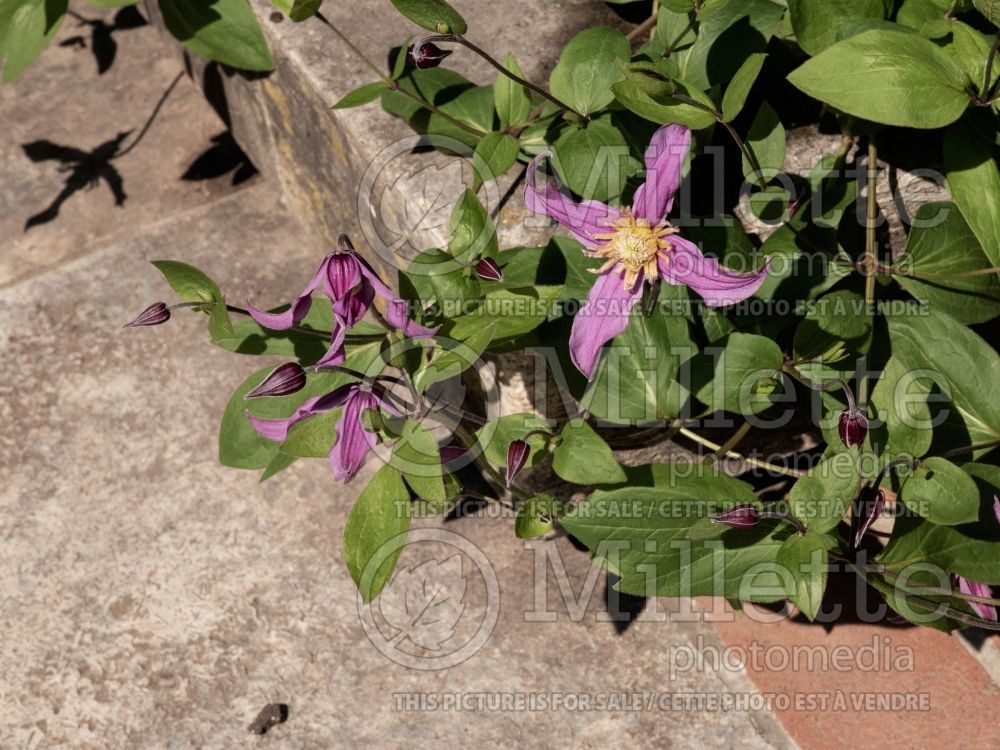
[(634, 247)]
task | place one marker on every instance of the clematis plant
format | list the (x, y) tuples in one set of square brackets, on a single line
[(639, 245), (787, 479)]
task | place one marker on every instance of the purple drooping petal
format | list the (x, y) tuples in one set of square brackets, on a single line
[(604, 316), (584, 219), (664, 160), (297, 310), (972, 588), (347, 287), (396, 309), (716, 284), (353, 442), (335, 355), (277, 429)]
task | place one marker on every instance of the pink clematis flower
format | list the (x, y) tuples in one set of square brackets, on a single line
[(639, 245), (352, 442), (351, 285)]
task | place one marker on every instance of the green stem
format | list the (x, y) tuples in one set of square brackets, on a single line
[(459, 39), (691, 22), (870, 259), (732, 454), (731, 443), (970, 448), (642, 28)]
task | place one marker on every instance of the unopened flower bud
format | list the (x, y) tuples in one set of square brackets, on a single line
[(867, 510), (450, 453), (996, 508), (517, 455), (153, 315), (428, 55), (283, 380), (740, 517), (487, 269), (853, 427)]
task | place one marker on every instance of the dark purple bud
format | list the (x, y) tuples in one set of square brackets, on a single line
[(450, 453), (487, 268), (153, 315), (283, 380), (740, 517), (996, 508), (428, 55), (867, 510), (517, 455), (853, 427)]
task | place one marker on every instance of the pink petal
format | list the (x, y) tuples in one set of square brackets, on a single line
[(353, 441), (396, 308), (277, 429), (347, 287), (972, 588), (582, 219), (664, 160), (716, 284), (335, 355), (604, 316), (298, 309)]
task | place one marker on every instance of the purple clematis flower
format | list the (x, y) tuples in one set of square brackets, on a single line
[(352, 442), (639, 245), (973, 588), (352, 285)]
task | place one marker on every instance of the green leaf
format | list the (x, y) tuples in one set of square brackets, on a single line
[(821, 497), (470, 230), (582, 456), (805, 558), (512, 100), (278, 464), (361, 95), (447, 363), (635, 382), (738, 374), (739, 88), (190, 284), (816, 22), (942, 493), (837, 326), (417, 457), (26, 26), (587, 69), (766, 139), (961, 363), (594, 161), (372, 535), (433, 15), (534, 517), (644, 536), (729, 31), (494, 155), (889, 77), (664, 108), (968, 550), (509, 312), (112, 3), (313, 437), (304, 9), (974, 183), (946, 248), (399, 63), (899, 417), (990, 9), (494, 438), (223, 30)]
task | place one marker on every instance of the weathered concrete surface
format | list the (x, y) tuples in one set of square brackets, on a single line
[(62, 99), (155, 599)]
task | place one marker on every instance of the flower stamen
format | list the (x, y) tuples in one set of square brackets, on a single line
[(634, 247)]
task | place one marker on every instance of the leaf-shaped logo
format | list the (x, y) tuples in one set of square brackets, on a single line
[(420, 201), (424, 604)]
